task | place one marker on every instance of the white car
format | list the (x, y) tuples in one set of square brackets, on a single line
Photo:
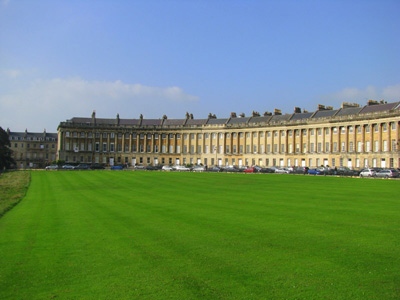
[(166, 168), (367, 173), (68, 167), (199, 169), (181, 168), (52, 167), (282, 171)]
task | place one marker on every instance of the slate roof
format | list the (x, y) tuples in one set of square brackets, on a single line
[(196, 121), (244, 120), (38, 135), (129, 121), (378, 107), (151, 122), (325, 113), (349, 111), (81, 120), (254, 120), (217, 121), (238, 120), (277, 118), (301, 116), (174, 122)]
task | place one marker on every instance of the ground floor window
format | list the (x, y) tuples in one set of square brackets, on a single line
[(383, 163)]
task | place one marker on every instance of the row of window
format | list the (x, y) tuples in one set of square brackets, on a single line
[(297, 132), (361, 147), (34, 138), (34, 155), (40, 146)]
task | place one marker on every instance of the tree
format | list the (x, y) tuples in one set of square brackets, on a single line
[(5, 152)]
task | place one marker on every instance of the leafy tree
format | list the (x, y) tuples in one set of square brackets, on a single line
[(5, 152)]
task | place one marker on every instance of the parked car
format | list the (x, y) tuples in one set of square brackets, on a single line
[(167, 168), (153, 168), (282, 171), (367, 173), (388, 173), (82, 167), (97, 167), (250, 170), (139, 167), (232, 169), (258, 168), (300, 170), (266, 170), (117, 168), (345, 171), (199, 169), (182, 169), (52, 167), (214, 169), (315, 172), (68, 167), (325, 171)]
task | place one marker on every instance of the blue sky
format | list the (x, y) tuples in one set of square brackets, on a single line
[(60, 59)]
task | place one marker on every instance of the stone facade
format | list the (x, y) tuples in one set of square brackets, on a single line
[(350, 136), (32, 150)]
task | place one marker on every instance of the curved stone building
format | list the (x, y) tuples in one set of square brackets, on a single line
[(351, 136)]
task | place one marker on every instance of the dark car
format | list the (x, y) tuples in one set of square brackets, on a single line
[(300, 170), (97, 167), (153, 168), (232, 169), (345, 171), (214, 169), (266, 170), (82, 167)]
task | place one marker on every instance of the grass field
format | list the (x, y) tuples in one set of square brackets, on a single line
[(13, 186), (159, 235)]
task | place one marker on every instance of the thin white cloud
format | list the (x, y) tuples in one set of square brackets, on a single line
[(352, 94), (392, 92), (44, 103), (11, 74)]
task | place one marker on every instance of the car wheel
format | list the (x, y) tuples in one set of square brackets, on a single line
[(386, 177)]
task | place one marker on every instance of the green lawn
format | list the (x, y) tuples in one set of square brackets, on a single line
[(13, 186), (163, 235)]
